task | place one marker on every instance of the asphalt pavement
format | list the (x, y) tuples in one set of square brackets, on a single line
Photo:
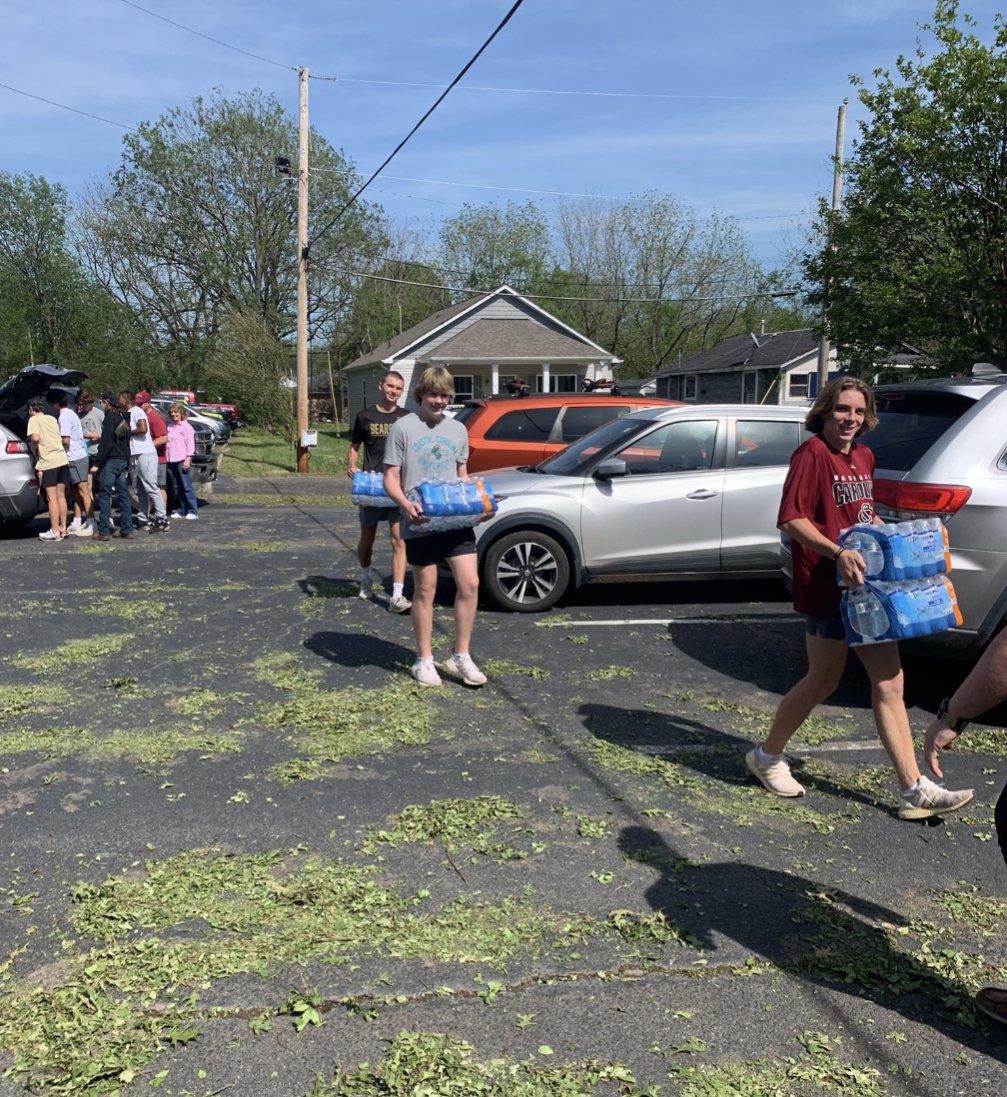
[(244, 853)]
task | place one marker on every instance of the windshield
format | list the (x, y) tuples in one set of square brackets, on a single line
[(610, 436), (909, 423)]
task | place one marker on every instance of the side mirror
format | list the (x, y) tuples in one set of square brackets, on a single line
[(610, 469)]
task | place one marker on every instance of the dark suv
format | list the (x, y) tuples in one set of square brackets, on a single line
[(20, 499)]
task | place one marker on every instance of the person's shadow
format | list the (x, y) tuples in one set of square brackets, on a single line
[(706, 750), (359, 650), (824, 935)]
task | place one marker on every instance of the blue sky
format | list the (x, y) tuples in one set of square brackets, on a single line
[(729, 106)]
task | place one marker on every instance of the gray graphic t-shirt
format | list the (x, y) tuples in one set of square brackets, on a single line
[(424, 452)]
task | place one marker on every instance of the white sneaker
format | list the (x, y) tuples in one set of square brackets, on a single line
[(425, 673), (461, 666), (177, 514), (371, 578), (85, 530), (399, 603), (74, 526), (774, 774), (191, 517), (931, 799), (48, 535)]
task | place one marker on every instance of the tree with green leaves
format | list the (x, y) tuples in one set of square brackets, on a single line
[(196, 223), (919, 252), (483, 247)]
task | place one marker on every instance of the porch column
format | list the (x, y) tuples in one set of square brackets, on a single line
[(495, 379), (545, 376)]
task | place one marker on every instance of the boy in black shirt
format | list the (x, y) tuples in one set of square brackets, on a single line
[(370, 429)]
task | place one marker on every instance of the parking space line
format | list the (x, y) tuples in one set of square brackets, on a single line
[(751, 618)]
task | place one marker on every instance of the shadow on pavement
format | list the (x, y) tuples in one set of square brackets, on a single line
[(358, 649), (825, 936), (694, 745)]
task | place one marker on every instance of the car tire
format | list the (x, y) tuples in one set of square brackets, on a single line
[(526, 571)]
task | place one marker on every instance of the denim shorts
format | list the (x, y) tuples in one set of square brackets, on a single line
[(827, 628)]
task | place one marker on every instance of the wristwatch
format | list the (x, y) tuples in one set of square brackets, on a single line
[(942, 714)]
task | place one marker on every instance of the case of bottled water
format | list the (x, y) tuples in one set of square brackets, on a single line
[(880, 610), (901, 550), (452, 504), (367, 489)]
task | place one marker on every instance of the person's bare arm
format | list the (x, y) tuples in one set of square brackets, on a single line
[(849, 563)]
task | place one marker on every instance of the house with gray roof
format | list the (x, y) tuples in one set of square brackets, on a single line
[(486, 342), (772, 368)]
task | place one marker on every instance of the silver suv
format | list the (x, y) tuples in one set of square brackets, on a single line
[(940, 448), (682, 492)]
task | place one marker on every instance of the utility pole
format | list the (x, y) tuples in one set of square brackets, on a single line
[(837, 197), (303, 452)]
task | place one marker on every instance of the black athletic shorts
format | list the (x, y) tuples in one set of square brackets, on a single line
[(432, 548)]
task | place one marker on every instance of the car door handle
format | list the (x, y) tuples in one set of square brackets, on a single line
[(703, 493)]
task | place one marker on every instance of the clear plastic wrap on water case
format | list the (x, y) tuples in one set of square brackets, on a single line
[(452, 504)]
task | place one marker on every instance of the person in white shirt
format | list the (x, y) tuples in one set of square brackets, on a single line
[(143, 465), (72, 434)]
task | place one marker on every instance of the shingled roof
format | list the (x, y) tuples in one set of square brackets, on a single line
[(770, 351), (399, 342), (500, 340)]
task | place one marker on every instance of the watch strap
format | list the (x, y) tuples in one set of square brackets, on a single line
[(942, 714)]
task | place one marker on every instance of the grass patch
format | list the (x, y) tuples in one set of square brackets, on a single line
[(609, 674), (279, 499), (501, 667), (255, 452), (204, 915), (16, 701), (334, 724), (153, 747), (817, 1070), (454, 823), (432, 1063), (74, 654)]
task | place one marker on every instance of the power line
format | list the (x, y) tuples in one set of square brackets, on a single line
[(392, 260), (548, 297), (207, 37), (63, 106), (603, 94), (440, 99)]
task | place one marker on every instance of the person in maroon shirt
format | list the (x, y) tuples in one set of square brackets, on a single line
[(830, 485)]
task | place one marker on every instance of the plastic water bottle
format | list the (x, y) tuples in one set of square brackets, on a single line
[(864, 540), (933, 545), (867, 616)]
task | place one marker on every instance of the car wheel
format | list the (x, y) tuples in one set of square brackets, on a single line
[(526, 571)]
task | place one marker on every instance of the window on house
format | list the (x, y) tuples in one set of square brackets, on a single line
[(690, 386), (559, 382), (797, 386), (749, 386), (464, 387)]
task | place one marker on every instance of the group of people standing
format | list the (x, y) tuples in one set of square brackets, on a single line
[(88, 454)]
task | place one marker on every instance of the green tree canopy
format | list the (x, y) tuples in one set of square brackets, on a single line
[(196, 223), (919, 252)]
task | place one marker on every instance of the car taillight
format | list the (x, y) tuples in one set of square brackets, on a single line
[(16, 447), (923, 499)]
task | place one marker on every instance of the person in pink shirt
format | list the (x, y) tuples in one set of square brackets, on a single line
[(180, 448)]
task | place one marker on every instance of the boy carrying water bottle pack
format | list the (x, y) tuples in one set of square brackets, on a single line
[(427, 446), (829, 487)]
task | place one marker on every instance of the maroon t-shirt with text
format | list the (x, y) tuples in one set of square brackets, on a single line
[(831, 490)]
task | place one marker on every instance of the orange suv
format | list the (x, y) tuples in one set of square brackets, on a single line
[(523, 430)]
